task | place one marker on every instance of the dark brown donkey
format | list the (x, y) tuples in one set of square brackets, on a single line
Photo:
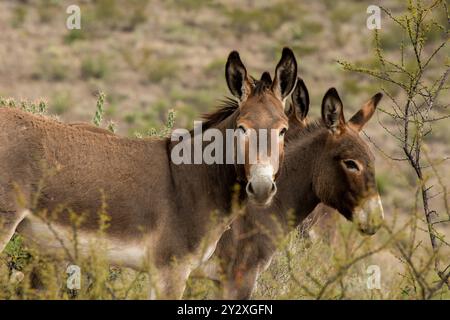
[(161, 213), (325, 162)]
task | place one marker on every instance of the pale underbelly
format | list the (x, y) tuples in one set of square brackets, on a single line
[(65, 242), (60, 241)]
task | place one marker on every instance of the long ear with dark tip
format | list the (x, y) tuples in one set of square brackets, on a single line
[(285, 74), (266, 78), (360, 118), (333, 111), (236, 76), (300, 100)]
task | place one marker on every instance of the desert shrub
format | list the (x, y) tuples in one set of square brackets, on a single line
[(52, 65), (155, 67), (160, 69), (48, 10), (38, 107), (98, 117), (95, 67), (19, 15), (74, 35), (61, 102), (262, 19), (419, 73), (102, 16)]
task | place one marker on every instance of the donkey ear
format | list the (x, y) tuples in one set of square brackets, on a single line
[(285, 74), (360, 118), (300, 100), (332, 111), (236, 76), (266, 78)]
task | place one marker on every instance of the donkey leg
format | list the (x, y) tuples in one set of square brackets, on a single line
[(9, 220), (241, 286), (171, 283)]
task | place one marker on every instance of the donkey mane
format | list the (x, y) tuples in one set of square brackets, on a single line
[(227, 107), (262, 85), (311, 128)]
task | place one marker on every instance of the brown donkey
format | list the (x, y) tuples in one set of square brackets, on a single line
[(161, 213), (325, 162)]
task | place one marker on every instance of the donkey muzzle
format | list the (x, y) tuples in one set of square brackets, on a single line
[(261, 187), (369, 215)]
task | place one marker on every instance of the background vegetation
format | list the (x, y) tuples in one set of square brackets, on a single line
[(150, 57)]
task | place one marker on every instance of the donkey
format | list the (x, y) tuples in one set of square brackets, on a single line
[(160, 213), (325, 162)]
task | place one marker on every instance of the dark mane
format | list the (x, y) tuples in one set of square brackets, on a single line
[(229, 105), (262, 85), (310, 128), (227, 108)]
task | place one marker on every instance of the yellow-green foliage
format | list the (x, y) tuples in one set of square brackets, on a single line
[(38, 107), (155, 58), (323, 267)]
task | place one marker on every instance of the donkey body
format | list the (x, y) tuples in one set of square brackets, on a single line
[(160, 213), (327, 162), (48, 167)]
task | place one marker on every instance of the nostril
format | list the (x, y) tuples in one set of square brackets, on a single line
[(274, 188), (250, 188)]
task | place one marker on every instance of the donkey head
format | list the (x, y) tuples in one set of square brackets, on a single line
[(262, 122), (345, 176)]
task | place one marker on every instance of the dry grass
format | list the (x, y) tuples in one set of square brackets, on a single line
[(156, 56)]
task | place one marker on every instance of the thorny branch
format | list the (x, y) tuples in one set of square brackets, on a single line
[(415, 117)]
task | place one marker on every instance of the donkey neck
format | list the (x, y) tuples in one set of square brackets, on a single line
[(206, 187), (295, 186)]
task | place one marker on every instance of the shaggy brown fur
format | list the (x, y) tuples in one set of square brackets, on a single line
[(312, 173), (161, 213)]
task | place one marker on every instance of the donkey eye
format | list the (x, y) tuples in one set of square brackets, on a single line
[(351, 165), (283, 132)]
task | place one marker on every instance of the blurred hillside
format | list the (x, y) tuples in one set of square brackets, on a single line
[(152, 56), (148, 56)]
